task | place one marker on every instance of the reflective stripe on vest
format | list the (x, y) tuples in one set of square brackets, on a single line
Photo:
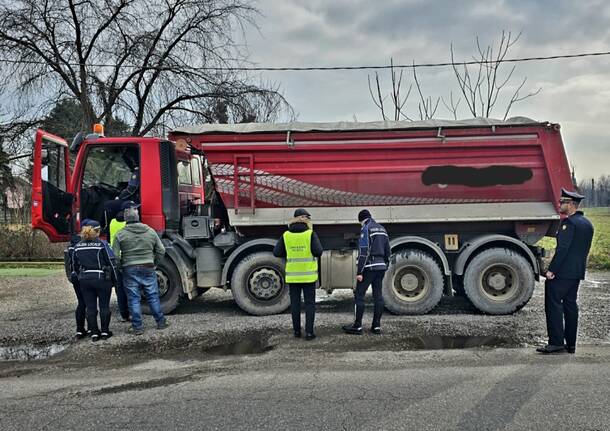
[(115, 227), (301, 265)]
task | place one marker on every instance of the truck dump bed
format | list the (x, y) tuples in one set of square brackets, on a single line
[(415, 171)]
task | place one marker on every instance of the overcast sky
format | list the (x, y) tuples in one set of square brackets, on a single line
[(575, 92)]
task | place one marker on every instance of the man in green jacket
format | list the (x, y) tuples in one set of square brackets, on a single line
[(138, 249)]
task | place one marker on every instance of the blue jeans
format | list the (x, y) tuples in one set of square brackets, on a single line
[(135, 278)]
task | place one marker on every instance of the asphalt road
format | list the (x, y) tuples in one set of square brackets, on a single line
[(218, 368), (301, 386)]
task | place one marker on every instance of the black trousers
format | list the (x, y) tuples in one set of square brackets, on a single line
[(374, 279), (121, 297), (80, 311), (309, 294), (97, 292), (561, 309)]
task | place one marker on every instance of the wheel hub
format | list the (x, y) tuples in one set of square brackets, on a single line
[(411, 283), (163, 282), (265, 284), (499, 282)]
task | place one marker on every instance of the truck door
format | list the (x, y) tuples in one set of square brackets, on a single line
[(51, 187)]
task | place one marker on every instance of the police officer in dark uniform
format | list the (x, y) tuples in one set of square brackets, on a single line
[(93, 264), (564, 274), (80, 312), (373, 261), (133, 186), (129, 193)]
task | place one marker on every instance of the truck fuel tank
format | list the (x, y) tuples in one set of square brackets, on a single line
[(209, 266)]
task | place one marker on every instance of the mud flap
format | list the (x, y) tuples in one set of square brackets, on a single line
[(186, 268)]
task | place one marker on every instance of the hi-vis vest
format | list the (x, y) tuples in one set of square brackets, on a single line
[(301, 265), (115, 227)]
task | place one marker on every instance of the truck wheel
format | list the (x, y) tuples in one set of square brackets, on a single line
[(499, 281), (258, 285), (170, 287), (413, 284)]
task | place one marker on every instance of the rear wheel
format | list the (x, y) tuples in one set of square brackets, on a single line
[(499, 281), (258, 285), (413, 283)]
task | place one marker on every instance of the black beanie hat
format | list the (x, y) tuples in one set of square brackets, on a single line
[(301, 212), (363, 215)]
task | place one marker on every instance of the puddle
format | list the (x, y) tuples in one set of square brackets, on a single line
[(444, 342), (242, 347), (29, 353)]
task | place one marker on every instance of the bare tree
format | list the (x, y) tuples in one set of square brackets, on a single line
[(596, 191), (427, 108), (149, 63), (480, 84)]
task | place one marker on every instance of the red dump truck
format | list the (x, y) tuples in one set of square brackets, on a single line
[(464, 203)]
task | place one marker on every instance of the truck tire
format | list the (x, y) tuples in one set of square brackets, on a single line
[(170, 287), (413, 283), (258, 284), (499, 281)]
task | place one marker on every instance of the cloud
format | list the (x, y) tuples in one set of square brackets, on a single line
[(357, 32)]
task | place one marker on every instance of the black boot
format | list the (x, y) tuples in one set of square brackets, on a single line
[(353, 329), (549, 348)]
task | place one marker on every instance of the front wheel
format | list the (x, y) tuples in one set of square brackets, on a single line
[(499, 281), (258, 285), (170, 287)]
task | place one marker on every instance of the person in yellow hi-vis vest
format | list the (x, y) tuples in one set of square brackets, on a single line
[(301, 247), (116, 224)]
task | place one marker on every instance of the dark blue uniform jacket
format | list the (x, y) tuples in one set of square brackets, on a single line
[(92, 259), (573, 243), (374, 248)]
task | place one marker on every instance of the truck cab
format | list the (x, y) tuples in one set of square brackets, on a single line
[(165, 179)]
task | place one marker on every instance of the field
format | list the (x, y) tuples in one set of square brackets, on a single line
[(599, 258), (30, 269)]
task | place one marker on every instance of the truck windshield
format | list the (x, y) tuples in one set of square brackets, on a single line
[(108, 166)]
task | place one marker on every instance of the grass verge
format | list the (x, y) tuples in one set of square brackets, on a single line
[(599, 256), (29, 272)]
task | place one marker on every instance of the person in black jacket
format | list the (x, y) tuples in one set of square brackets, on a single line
[(81, 309), (301, 247), (373, 261), (93, 264), (563, 277)]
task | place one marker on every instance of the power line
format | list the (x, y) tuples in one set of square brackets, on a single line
[(21, 156), (331, 68)]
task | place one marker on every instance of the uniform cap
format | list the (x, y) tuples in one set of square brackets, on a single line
[(129, 204), (89, 222), (363, 215), (301, 212), (570, 196)]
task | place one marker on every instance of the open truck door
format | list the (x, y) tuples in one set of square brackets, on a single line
[(51, 187)]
